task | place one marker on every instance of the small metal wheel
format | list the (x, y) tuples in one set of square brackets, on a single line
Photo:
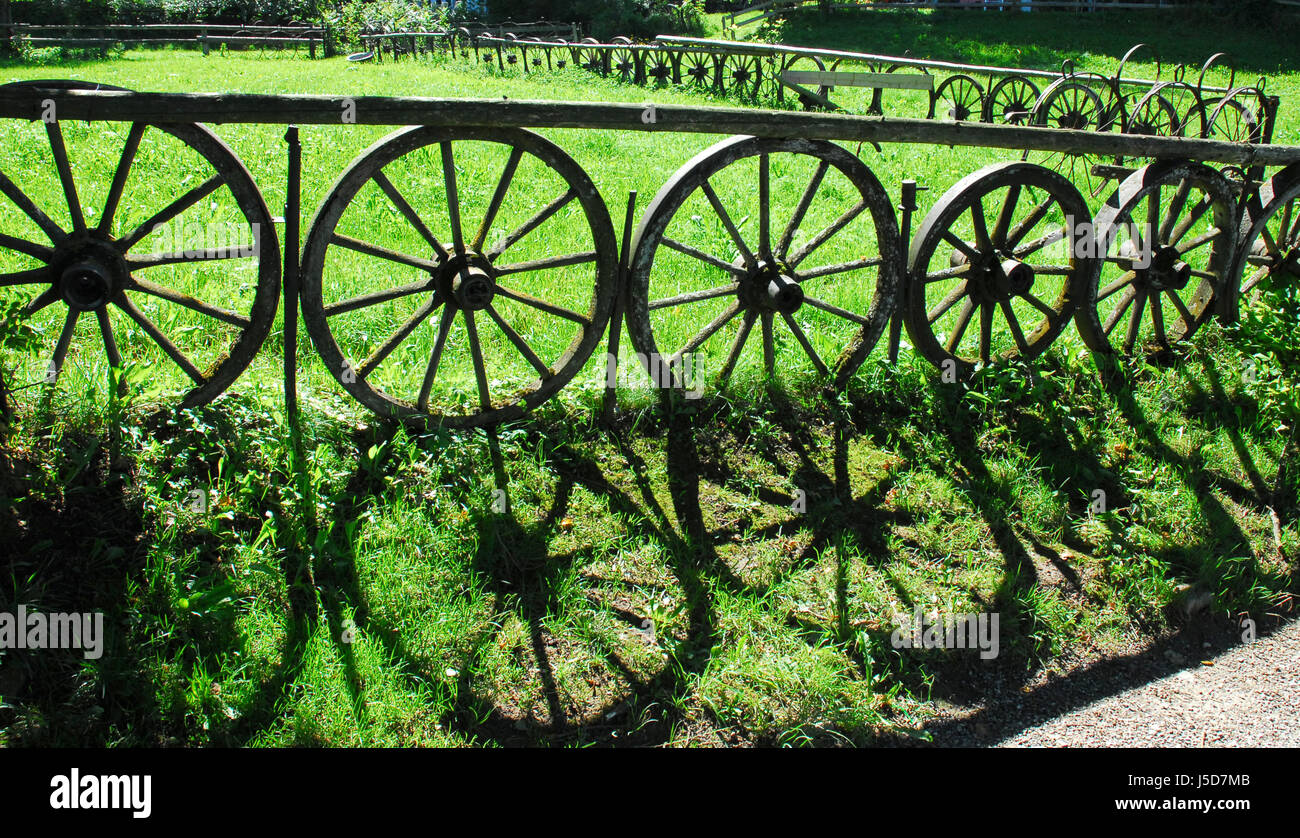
[(1155, 116), (622, 65), (741, 74), (1231, 118), (725, 253), (459, 276), (658, 66), (1166, 236), (699, 69), (959, 98), (999, 247), (1268, 249), (1069, 103), (178, 273), (1010, 101)]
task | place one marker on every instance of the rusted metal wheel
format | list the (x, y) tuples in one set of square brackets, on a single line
[(1268, 249), (1233, 117), (1166, 236), (178, 273), (721, 286), (1010, 101), (1154, 115), (444, 322), (699, 69), (994, 272), (958, 98), (1069, 103), (741, 74)]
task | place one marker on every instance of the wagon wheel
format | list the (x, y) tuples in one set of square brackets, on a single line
[(958, 98), (442, 325), (1154, 116), (589, 56), (713, 267), (1069, 103), (658, 66), (622, 63), (778, 89), (1230, 119), (1269, 247), (741, 74), (699, 69), (179, 273), (997, 250), (1167, 238), (1011, 100)]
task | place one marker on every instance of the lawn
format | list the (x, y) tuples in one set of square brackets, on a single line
[(717, 574)]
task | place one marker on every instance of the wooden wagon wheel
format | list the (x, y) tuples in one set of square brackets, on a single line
[(589, 55), (1155, 116), (1166, 236), (707, 276), (1010, 100), (999, 248), (658, 64), (179, 273), (959, 98), (437, 324), (741, 74), (622, 64), (1268, 249), (1072, 102)]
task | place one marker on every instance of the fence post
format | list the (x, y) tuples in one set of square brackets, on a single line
[(311, 46), (203, 39)]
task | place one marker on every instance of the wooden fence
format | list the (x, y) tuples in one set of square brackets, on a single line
[(203, 36)]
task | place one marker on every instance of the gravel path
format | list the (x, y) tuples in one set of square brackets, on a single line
[(1250, 697)]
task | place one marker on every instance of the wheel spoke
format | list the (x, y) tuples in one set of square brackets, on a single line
[(110, 344), (1191, 219), (981, 225), (52, 231), (546, 264), (409, 213), (1016, 332), (822, 237), (520, 344), (801, 209), (36, 251), (725, 218), (45, 298), (65, 340), (769, 344), (1003, 225), (377, 357), (542, 305), (1158, 320), (533, 223), (1176, 206), (1203, 239), (707, 332), (836, 310), (1039, 243), (959, 328), (843, 267), (494, 206), (971, 253), (948, 273), (737, 347), (1135, 322), (377, 297), (27, 277), (765, 212), (172, 210), (453, 199), (159, 338), (1117, 313), (383, 253), (431, 371), (183, 299), (129, 150), (704, 257), (476, 354), (215, 254), (799, 335), (692, 297), (986, 331), (1181, 307), (1029, 222), (1047, 310), (1116, 285), (947, 303), (1153, 215), (60, 151)]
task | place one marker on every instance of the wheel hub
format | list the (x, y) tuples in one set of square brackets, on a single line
[(997, 277), (88, 272), (468, 281), (1167, 271), (770, 287)]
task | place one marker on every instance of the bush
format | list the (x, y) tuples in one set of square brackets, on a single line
[(635, 18), (90, 12)]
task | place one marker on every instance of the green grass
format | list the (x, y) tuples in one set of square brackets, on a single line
[(651, 585)]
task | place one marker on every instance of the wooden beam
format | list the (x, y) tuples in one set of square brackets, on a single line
[(888, 81)]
